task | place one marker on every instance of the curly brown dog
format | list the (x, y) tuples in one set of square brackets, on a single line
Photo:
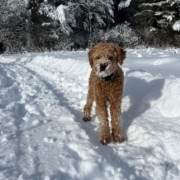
[(106, 85)]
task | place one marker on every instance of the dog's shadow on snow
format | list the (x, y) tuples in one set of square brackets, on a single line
[(140, 94)]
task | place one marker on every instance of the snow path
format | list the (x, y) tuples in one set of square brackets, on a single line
[(43, 137)]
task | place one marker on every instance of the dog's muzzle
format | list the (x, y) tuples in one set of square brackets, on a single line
[(105, 70), (108, 78)]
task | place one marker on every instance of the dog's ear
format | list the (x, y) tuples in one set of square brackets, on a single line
[(90, 57), (121, 54)]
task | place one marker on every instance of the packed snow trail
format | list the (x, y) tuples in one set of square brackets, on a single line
[(42, 133)]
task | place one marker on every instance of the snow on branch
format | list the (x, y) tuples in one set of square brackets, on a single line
[(155, 4), (124, 4), (176, 26), (172, 2), (65, 18)]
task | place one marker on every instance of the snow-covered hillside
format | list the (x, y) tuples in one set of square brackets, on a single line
[(43, 136)]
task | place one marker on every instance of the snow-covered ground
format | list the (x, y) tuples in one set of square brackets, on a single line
[(43, 136)]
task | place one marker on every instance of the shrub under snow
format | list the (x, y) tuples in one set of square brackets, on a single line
[(122, 35)]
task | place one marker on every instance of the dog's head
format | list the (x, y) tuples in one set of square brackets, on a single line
[(104, 59)]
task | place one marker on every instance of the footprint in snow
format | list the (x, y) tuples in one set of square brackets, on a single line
[(157, 62), (50, 139), (36, 122)]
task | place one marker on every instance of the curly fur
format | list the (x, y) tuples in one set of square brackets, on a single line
[(106, 85)]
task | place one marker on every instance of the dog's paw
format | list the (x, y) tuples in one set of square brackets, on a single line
[(105, 141), (118, 139), (86, 118)]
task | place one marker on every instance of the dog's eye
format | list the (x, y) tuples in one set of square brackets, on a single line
[(98, 57), (110, 57)]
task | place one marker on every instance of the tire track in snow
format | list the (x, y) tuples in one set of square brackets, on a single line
[(13, 133), (63, 101), (31, 91)]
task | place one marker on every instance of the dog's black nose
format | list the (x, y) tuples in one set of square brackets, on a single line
[(102, 67)]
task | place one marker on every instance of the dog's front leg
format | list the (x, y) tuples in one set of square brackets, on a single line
[(88, 107), (101, 110), (90, 99), (115, 111)]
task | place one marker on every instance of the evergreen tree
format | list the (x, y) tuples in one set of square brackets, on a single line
[(73, 24), (79, 16), (93, 15), (12, 24), (154, 20)]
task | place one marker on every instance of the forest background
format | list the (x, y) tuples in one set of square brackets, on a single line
[(50, 25)]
